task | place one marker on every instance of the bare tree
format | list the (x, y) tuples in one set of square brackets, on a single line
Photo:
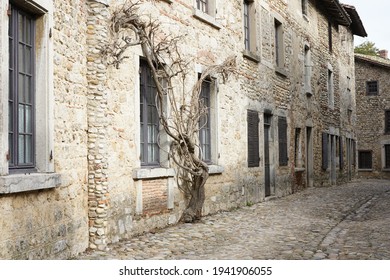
[(169, 71)]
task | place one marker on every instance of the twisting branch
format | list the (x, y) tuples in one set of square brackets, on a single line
[(162, 53)]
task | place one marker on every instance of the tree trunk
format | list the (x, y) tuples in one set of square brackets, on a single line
[(193, 212)]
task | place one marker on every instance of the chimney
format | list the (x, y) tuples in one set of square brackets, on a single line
[(383, 53)]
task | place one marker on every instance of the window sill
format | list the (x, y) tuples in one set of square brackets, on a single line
[(281, 71), (206, 18), (386, 169), (216, 169), (152, 173), (251, 56), (16, 183), (299, 169)]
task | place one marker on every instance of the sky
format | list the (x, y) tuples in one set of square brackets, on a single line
[(375, 15)]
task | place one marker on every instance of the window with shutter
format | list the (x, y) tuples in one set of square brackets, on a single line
[(387, 121), (365, 159), (387, 156), (324, 151), (341, 153), (282, 132), (253, 139), (372, 88)]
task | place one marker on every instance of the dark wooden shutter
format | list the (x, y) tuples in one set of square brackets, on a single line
[(341, 153), (253, 139), (282, 131), (324, 151), (387, 156), (387, 121)]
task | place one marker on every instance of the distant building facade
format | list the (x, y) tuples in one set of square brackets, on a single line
[(80, 159), (373, 117)]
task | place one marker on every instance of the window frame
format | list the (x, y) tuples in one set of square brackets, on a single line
[(370, 85), (387, 122), (304, 7), (283, 141), (16, 163), (330, 36), (145, 76), (386, 150), (253, 138), (307, 70), (363, 161), (205, 129), (43, 175), (330, 87)]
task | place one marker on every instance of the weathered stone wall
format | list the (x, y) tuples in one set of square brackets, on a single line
[(258, 87), (371, 111), (52, 223), (105, 195)]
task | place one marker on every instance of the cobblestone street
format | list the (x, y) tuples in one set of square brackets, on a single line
[(351, 221)]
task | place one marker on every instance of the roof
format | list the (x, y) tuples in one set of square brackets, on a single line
[(344, 15), (336, 11), (357, 24), (373, 60)]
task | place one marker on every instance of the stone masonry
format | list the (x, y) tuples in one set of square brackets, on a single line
[(104, 194), (371, 112)]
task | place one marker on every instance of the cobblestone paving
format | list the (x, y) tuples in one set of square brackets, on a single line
[(351, 221)]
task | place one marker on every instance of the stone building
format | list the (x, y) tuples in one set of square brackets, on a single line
[(77, 167), (373, 114)]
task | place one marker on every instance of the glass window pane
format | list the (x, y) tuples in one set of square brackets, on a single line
[(20, 90), (21, 122), (29, 119), (21, 153), (21, 58), (28, 31), (21, 27), (28, 62), (29, 149), (28, 90)]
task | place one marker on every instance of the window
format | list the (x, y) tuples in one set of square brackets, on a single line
[(330, 88), (205, 121), (202, 5), (307, 70), (249, 26), (341, 152), (304, 7), (387, 156), (282, 133), (149, 117), (279, 44), (298, 148), (27, 114), (324, 151), (253, 139), (330, 39), (365, 159), (387, 121), (21, 102), (372, 88)]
